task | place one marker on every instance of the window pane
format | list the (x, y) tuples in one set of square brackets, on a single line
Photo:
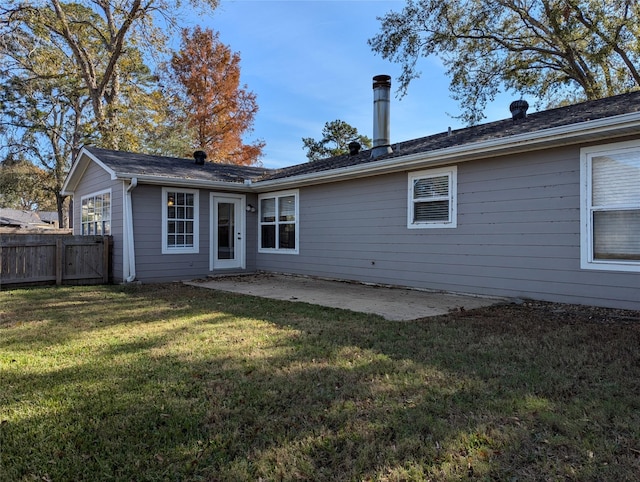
[(287, 207), (431, 211), (616, 235), (189, 199), (268, 236), (287, 236), (616, 179), (268, 210), (431, 187)]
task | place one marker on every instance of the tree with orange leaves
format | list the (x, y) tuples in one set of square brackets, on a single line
[(217, 109)]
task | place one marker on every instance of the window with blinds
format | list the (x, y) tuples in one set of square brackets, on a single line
[(432, 202), (611, 207), (278, 215)]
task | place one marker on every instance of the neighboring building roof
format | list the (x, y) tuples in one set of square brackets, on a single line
[(19, 219), (50, 217), (534, 122)]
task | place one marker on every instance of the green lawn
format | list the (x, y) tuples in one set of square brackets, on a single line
[(177, 383)]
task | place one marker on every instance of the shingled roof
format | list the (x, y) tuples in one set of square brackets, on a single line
[(159, 168), (534, 122), (131, 164)]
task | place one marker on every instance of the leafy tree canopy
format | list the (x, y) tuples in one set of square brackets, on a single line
[(218, 111), (45, 102), (556, 50), (26, 187), (336, 136)]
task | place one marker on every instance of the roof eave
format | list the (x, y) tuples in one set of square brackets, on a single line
[(183, 182), (78, 168), (610, 127)]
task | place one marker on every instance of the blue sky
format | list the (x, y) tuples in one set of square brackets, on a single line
[(308, 63)]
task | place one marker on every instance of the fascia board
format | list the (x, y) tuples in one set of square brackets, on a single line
[(181, 182), (557, 136), (78, 168)]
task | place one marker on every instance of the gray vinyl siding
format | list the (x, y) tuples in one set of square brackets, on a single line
[(518, 235), (96, 179), (151, 264)]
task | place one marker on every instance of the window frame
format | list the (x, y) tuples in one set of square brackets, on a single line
[(102, 221), (276, 196), (166, 248), (587, 259), (452, 222)]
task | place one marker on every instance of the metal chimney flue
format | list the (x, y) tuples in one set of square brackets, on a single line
[(381, 115)]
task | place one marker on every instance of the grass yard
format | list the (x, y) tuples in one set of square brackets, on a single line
[(175, 383)]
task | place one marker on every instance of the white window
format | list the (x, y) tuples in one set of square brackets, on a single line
[(278, 215), (610, 207), (180, 226), (432, 198), (96, 214)]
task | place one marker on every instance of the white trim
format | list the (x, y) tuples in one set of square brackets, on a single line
[(587, 260), (79, 164), (180, 182), (166, 249), (452, 173), (276, 195), (241, 227)]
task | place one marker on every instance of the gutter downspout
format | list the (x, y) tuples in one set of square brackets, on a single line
[(129, 253)]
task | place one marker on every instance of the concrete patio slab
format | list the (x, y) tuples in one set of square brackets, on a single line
[(397, 304)]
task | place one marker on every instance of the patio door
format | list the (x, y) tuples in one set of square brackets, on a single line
[(227, 237)]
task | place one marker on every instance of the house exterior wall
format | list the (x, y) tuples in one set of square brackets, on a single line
[(95, 179), (154, 266), (517, 234)]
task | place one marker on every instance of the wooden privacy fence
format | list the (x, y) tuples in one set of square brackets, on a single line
[(54, 258)]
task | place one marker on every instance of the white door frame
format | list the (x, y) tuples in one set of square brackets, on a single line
[(239, 261)]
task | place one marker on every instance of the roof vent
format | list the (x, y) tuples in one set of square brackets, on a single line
[(200, 156), (518, 109), (354, 148)]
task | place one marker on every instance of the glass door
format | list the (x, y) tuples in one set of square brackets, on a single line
[(228, 232)]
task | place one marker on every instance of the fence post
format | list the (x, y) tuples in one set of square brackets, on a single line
[(59, 260), (105, 259)]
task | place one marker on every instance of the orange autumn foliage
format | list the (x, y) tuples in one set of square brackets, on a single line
[(218, 110)]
